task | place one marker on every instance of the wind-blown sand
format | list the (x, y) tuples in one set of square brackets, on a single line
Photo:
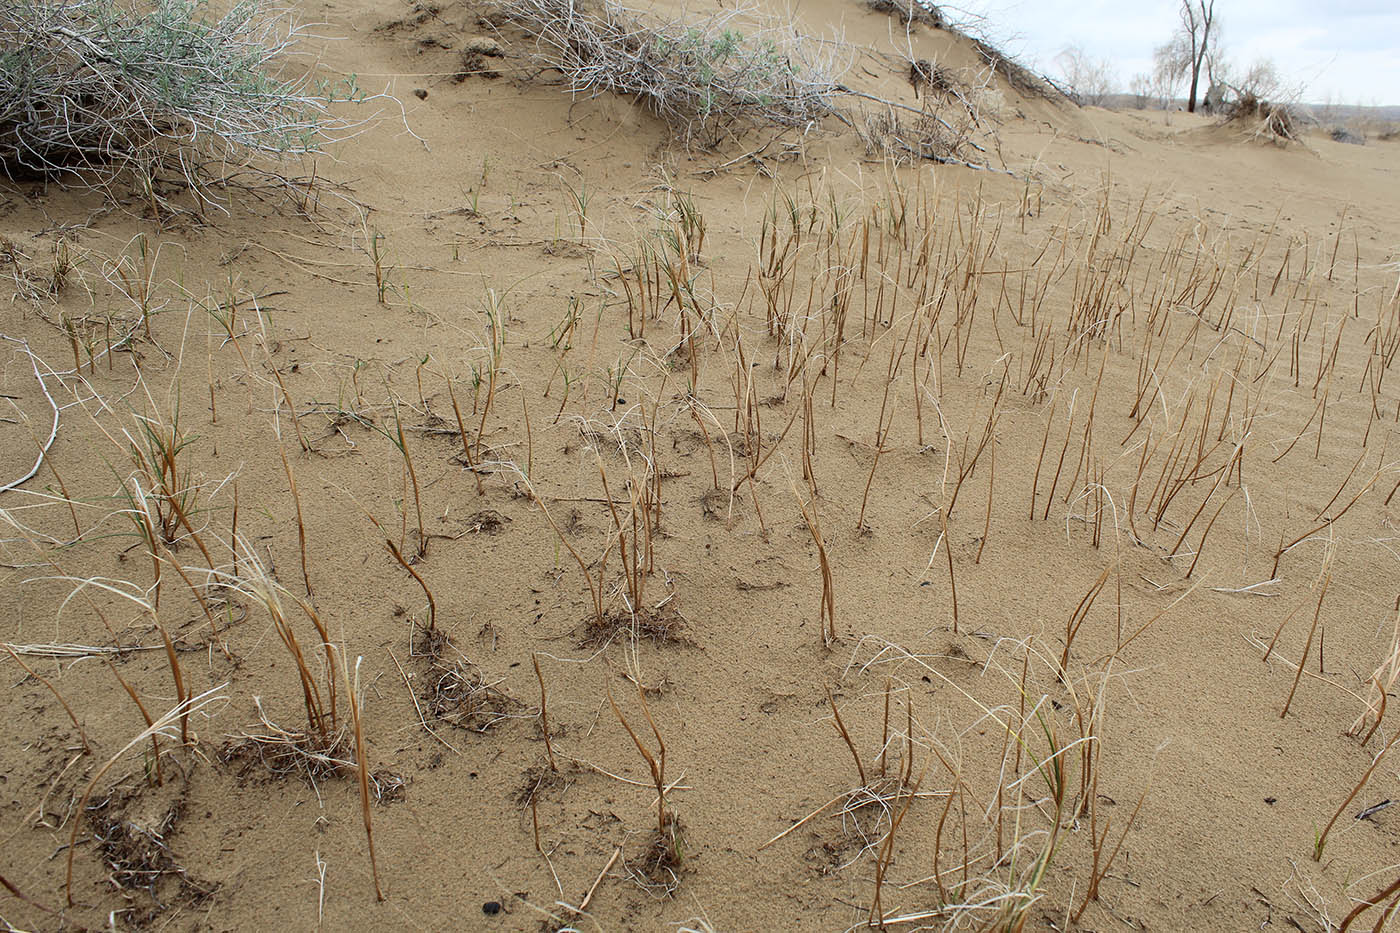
[(1145, 354)]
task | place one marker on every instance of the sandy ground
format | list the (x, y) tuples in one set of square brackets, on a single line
[(1061, 482)]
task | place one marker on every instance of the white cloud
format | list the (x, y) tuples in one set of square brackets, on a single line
[(1348, 52)]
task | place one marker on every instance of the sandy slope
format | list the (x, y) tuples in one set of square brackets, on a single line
[(1254, 280)]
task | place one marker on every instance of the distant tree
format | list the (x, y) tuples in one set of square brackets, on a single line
[(1194, 41), (1169, 67), (1261, 81), (1190, 51), (1090, 80), (1141, 88)]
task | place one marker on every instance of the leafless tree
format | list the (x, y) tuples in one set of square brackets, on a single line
[(1141, 87), (1169, 67), (1090, 80), (1263, 81), (1196, 40)]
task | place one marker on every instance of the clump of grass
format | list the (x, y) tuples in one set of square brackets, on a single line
[(323, 748), (663, 858), (1382, 681), (166, 725), (283, 752), (100, 91), (138, 858), (909, 11), (661, 864), (659, 625), (156, 453), (881, 799), (458, 694), (705, 78), (933, 133)]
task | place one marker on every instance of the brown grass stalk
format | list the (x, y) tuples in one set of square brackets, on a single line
[(301, 525), (544, 711), (1321, 842), (846, 736), (82, 734), (655, 763), (952, 578), (362, 767), (402, 445), (1367, 904), (1035, 480), (827, 612), (987, 525), (1284, 548), (1303, 661), (432, 603), (1077, 618), (462, 433)]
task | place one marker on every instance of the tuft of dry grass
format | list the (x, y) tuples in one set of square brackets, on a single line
[(135, 849), (706, 78), (659, 866), (458, 694), (280, 752), (909, 11)]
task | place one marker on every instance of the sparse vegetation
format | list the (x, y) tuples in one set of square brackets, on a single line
[(629, 550)]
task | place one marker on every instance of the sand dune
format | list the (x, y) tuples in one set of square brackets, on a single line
[(998, 545)]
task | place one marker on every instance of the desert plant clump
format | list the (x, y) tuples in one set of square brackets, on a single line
[(132, 838), (270, 750), (458, 694), (706, 79), (943, 129), (937, 78), (99, 91), (1277, 121), (909, 11), (1343, 134), (658, 868), (886, 132)]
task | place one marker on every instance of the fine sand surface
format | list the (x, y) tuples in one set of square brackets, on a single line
[(1049, 477)]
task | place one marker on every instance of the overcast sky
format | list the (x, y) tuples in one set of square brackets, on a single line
[(1347, 51)]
